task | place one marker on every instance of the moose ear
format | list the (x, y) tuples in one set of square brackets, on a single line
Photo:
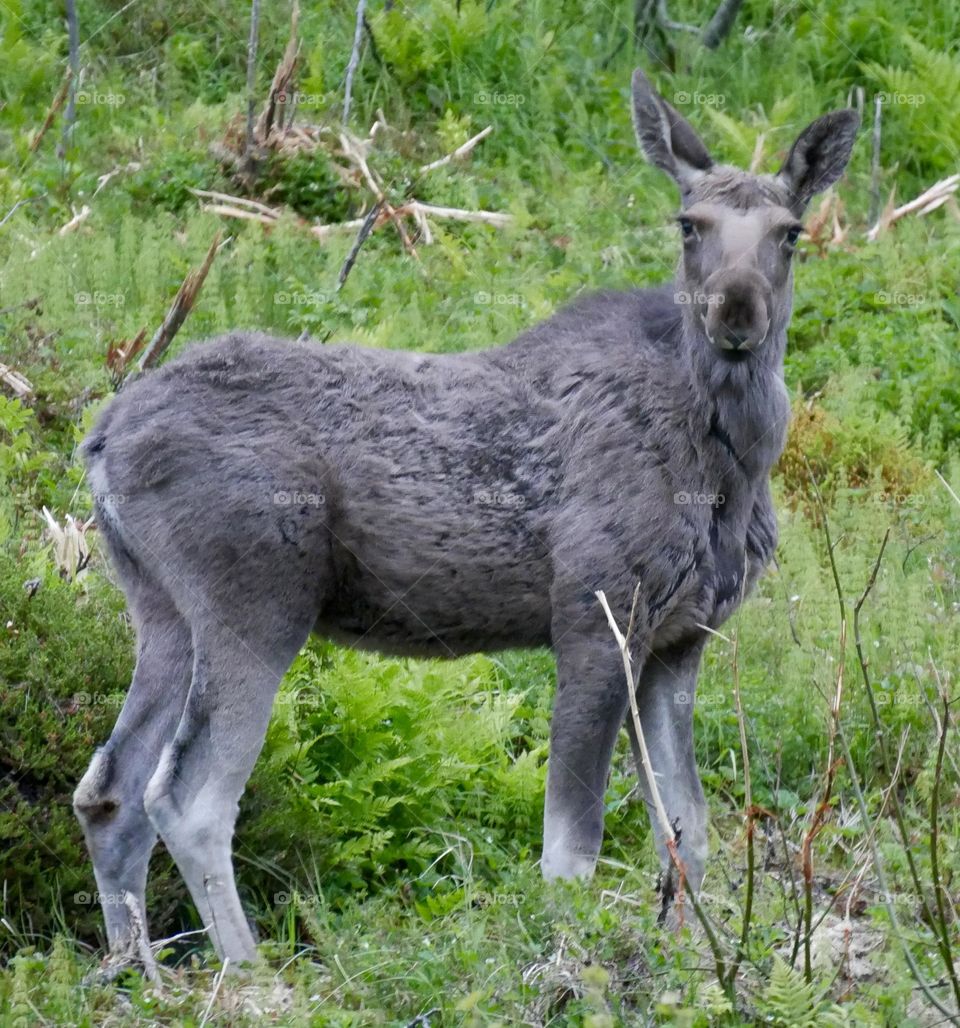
[(818, 157), (665, 137)]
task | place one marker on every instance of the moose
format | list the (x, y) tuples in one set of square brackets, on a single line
[(256, 490)]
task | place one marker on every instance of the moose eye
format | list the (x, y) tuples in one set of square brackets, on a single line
[(793, 234), (687, 228)]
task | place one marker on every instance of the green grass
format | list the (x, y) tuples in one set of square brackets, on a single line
[(388, 840)]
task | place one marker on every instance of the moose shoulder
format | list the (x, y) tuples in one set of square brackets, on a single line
[(442, 504)]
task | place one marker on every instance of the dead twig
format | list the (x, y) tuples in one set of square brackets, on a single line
[(218, 981), (669, 834), (897, 931), (365, 229)]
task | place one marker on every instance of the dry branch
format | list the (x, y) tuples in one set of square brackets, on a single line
[(461, 151), (182, 305), (108, 177), (71, 553), (58, 102), (929, 200), (79, 217), (119, 355), (282, 85), (19, 384)]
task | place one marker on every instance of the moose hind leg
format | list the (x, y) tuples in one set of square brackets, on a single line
[(109, 799), (665, 698), (193, 797), (588, 712)]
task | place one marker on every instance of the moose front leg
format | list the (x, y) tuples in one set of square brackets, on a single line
[(665, 697), (588, 712)]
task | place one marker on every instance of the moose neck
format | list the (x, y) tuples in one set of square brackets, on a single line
[(745, 400)]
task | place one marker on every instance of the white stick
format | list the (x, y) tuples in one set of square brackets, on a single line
[(239, 201), (216, 989), (461, 151), (456, 213), (648, 771)]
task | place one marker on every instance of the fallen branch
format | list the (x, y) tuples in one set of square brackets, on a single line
[(239, 201), (109, 176), (365, 229), (19, 384), (929, 200), (461, 151), (79, 217)]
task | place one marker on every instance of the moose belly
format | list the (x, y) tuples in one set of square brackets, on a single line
[(437, 594)]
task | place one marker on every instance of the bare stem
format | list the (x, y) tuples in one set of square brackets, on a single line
[(661, 813), (749, 813)]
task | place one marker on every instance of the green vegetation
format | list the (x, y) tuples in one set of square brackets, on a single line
[(388, 840)]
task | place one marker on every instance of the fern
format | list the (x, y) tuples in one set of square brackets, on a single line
[(792, 1002), (920, 116)]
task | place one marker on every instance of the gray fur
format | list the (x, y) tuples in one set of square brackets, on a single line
[(255, 490)]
